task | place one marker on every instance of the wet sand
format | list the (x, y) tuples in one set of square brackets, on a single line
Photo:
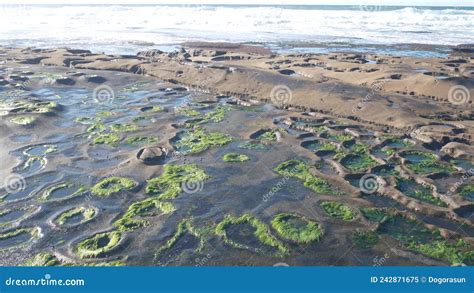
[(72, 118)]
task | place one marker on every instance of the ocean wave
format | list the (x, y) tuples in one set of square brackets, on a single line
[(62, 24)]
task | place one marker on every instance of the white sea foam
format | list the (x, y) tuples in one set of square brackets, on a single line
[(126, 29)]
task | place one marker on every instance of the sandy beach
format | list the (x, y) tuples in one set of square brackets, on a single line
[(230, 154)]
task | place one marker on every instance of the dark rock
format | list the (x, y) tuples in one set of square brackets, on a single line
[(65, 81), (96, 79), (152, 155)]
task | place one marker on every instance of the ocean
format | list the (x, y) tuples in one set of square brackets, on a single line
[(127, 29)]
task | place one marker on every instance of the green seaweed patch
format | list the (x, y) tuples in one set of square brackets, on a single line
[(98, 245), (197, 140), (123, 127), (7, 219), (459, 253), (297, 228), (137, 213), (48, 194), (467, 191), (365, 239), (300, 170), (360, 148), (235, 158), (341, 137), (154, 109), (268, 137), (217, 115), (42, 259), (396, 142), (108, 138), (262, 232), (111, 185), (37, 107), (253, 145), (408, 230), (169, 184), (106, 114), (377, 215), (23, 120), (15, 239), (388, 151), (86, 214), (411, 188), (339, 210), (187, 111), (97, 126), (141, 140), (184, 227), (424, 163), (358, 162)]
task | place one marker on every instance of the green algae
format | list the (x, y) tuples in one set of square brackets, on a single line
[(358, 162), (5, 213), (424, 163), (106, 114), (197, 140), (408, 231), (23, 120), (48, 194), (360, 148), (296, 228), (253, 145), (262, 232), (418, 191), (184, 227), (376, 214), (341, 137), (98, 245), (108, 138), (188, 111), (300, 170), (234, 157), (111, 185), (32, 160), (96, 127), (467, 191), (87, 214), (123, 127), (34, 106), (339, 210), (154, 109), (165, 187), (169, 184), (217, 115), (32, 233), (459, 253), (268, 136), (42, 259), (136, 214), (388, 151), (365, 239), (141, 140)]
